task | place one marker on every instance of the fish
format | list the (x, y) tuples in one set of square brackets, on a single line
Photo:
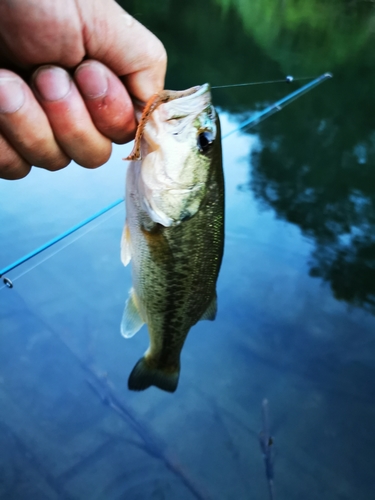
[(174, 228)]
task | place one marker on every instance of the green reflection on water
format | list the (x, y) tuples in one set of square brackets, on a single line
[(306, 36)]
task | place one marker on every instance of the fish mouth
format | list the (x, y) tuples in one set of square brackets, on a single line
[(199, 91), (188, 102), (179, 104), (196, 91)]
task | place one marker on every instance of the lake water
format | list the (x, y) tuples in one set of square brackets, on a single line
[(296, 292)]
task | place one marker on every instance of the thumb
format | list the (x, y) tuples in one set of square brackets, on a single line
[(115, 38)]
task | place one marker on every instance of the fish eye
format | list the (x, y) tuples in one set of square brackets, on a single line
[(205, 141)]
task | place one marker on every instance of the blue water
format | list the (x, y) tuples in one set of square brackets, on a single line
[(279, 334), (295, 323)]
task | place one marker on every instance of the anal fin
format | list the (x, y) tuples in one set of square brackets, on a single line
[(131, 319)]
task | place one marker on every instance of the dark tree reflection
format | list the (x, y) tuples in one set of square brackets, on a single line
[(316, 169)]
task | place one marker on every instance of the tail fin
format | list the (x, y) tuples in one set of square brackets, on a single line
[(143, 376)]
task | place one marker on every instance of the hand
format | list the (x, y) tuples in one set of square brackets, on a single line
[(84, 59)]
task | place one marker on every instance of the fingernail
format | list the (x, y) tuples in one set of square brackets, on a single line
[(12, 95), (91, 80), (53, 83)]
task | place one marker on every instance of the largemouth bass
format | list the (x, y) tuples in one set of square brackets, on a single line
[(174, 230)]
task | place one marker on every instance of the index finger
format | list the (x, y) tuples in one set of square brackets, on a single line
[(123, 44)]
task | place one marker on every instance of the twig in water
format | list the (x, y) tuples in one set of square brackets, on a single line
[(266, 444)]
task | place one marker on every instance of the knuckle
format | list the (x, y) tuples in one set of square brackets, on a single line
[(12, 166), (59, 163), (14, 169), (161, 53), (89, 148), (44, 153), (119, 128), (97, 159), (53, 162)]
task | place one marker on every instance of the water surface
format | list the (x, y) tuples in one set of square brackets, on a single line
[(296, 293)]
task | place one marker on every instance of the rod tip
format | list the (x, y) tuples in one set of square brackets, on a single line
[(7, 282)]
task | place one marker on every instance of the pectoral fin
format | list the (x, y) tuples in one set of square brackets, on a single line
[(210, 312), (125, 245), (131, 319)]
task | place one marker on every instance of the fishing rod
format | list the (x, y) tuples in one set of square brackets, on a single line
[(251, 122), (52, 242), (279, 105)]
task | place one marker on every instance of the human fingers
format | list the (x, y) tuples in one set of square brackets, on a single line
[(70, 120), (12, 166), (123, 44), (35, 32), (25, 127), (107, 101)]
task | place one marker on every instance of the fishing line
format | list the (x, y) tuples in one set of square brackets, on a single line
[(254, 120), (278, 105), (9, 283), (287, 79)]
